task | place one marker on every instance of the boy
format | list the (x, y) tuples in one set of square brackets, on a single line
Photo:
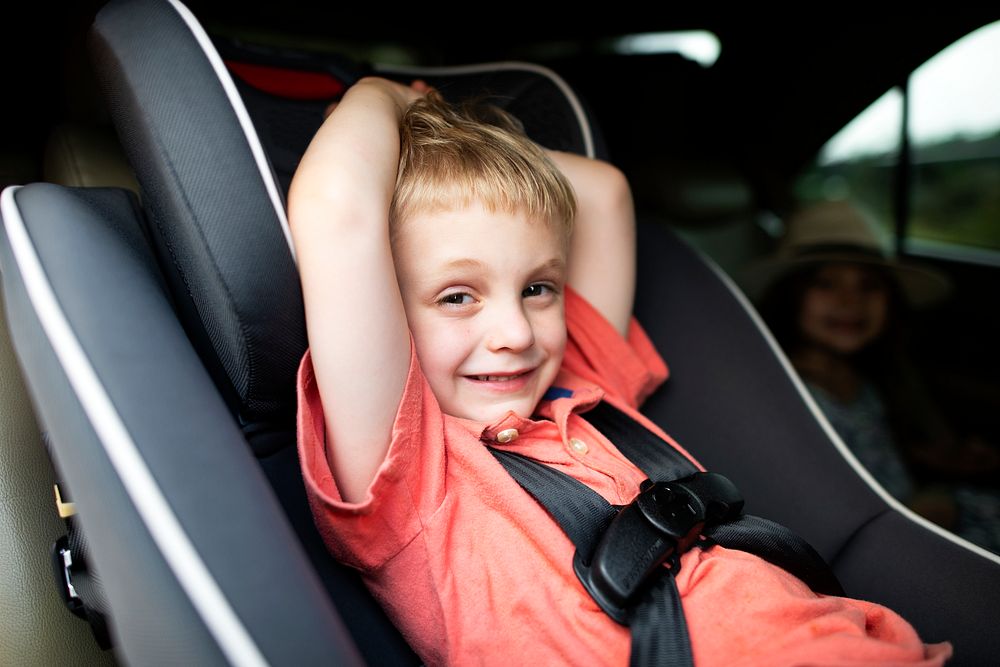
[(449, 308)]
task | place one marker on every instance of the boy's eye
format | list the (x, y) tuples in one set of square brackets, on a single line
[(535, 290), (457, 299)]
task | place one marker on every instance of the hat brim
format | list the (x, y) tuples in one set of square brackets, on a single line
[(921, 286)]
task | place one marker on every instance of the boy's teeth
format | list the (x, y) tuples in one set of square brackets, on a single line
[(495, 378)]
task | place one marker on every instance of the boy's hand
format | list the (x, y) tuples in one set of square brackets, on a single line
[(404, 96)]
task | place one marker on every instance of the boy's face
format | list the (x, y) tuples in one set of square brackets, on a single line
[(483, 294)]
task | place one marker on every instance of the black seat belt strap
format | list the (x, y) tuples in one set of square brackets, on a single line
[(659, 630), (761, 537), (647, 451), (581, 512), (779, 546), (621, 551), (656, 622)]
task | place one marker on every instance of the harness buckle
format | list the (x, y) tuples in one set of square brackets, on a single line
[(661, 523)]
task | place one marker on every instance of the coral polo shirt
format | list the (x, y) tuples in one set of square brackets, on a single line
[(472, 570)]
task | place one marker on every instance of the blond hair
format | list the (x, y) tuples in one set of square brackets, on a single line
[(451, 157)]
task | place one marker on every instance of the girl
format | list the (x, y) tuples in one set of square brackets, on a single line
[(836, 301)]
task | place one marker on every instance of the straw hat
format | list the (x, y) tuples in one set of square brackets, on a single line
[(836, 231)]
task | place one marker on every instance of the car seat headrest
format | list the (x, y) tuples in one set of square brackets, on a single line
[(214, 208)]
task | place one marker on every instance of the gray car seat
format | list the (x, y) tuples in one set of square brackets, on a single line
[(160, 345), (35, 627)]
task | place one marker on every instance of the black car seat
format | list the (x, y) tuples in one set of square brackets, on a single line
[(160, 343)]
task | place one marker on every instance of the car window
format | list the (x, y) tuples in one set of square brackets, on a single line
[(924, 158)]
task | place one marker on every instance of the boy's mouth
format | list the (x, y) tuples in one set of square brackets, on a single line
[(503, 382), (496, 378)]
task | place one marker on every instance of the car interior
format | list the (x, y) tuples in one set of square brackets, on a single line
[(155, 327)]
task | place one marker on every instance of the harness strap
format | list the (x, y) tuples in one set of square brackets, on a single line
[(647, 451), (779, 546), (581, 512), (656, 623), (762, 537), (659, 631), (655, 615)]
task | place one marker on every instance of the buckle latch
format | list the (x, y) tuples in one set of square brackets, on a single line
[(660, 524)]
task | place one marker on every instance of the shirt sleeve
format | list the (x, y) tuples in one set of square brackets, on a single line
[(627, 367), (409, 483)]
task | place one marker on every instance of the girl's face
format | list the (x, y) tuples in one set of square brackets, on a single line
[(844, 308)]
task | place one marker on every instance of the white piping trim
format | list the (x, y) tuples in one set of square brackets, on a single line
[(588, 138), (242, 115), (825, 424), (165, 528)]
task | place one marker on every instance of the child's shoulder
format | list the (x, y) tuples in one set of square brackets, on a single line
[(628, 366)]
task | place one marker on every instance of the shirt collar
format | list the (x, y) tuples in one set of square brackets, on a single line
[(568, 393)]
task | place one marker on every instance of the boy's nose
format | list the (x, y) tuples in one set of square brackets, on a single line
[(510, 329)]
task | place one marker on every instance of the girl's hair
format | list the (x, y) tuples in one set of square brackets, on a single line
[(453, 156)]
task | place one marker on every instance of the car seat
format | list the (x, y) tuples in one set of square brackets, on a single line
[(159, 343), (35, 626)]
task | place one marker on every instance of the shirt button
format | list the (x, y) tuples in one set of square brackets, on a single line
[(578, 445), (507, 435)]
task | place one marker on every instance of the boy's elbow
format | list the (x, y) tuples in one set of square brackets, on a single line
[(616, 205), (611, 172), (606, 188), (616, 184)]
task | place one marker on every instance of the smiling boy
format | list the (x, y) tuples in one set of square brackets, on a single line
[(488, 325), (458, 295)]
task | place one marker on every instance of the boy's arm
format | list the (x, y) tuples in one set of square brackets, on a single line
[(602, 249), (338, 210)]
